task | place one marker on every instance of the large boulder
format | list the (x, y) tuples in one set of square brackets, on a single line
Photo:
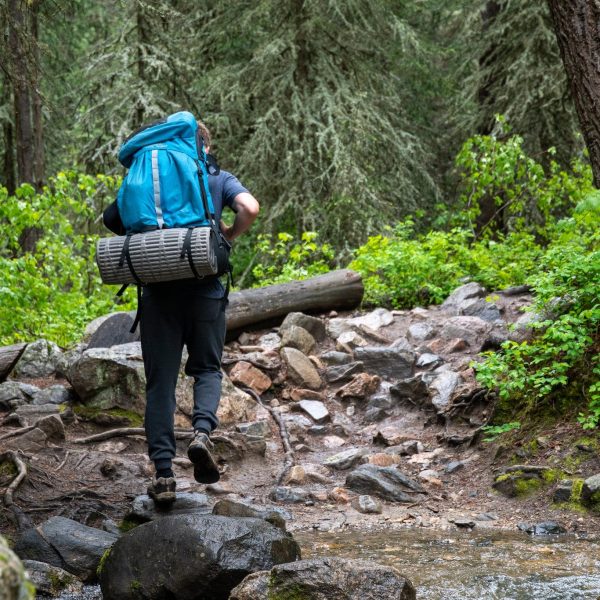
[(39, 359), (192, 557), (472, 330), (113, 330), (67, 544), (14, 583), (387, 483), (463, 297), (326, 579)]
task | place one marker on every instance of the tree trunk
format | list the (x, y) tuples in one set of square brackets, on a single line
[(9, 355), (577, 28), (341, 290), (36, 108), (8, 133)]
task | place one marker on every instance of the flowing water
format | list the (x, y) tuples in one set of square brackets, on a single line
[(474, 566), (466, 566)]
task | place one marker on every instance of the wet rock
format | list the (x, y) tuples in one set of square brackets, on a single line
[(235, 405), (207, 557), (463, 297), (260, 428), (333, 357), (51, 581), (301, 369), (344, 372), (391, 363), (270, 341), (385, 482), (297, 337), (316, 410), (442, 388), (55, 394), (114, 330), (367, 505), (14, 583), (313, 325), (590, 492), (471, 329), (362, 385), (66, 544), (288, 495), (39, 359), (563, 492), (346, 459), (326, 579), (229, 508), (245, 374), (144, 509), (545, 528)]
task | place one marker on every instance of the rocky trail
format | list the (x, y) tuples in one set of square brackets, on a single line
[(365, 420)]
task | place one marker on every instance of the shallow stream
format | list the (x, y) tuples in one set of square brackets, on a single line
[(474, 566), (466, 566)]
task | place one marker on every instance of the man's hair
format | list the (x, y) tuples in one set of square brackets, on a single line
[(205, 134)]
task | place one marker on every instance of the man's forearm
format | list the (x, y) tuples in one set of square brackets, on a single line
[(246, 210)]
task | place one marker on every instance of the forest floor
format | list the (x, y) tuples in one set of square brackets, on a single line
[(93, 482)]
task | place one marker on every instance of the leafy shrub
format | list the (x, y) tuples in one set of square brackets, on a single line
[(281, 258), (54, 290)]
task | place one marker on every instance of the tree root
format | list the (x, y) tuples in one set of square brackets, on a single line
[(288, 461), (17, 432), (22, 520), (124, 432)]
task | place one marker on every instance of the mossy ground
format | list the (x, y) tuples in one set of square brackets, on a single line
[(89, 413)]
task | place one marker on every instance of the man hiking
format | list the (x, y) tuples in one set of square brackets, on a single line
[(188, 312)]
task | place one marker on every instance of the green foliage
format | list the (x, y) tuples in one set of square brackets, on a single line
[(563, 357), (493, 431), (280, 258), (54, 291)]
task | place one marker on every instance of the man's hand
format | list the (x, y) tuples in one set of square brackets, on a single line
[(246, 208)]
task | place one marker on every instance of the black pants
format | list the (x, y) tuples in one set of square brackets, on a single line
[(171, 317)]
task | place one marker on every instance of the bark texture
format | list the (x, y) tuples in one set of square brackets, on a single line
[(577, 27)]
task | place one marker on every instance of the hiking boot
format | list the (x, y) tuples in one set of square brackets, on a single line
[(205, 467), (162, 490)]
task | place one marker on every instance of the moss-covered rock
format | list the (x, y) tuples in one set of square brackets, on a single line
[(524, 480), (590, 492), (14, 583)]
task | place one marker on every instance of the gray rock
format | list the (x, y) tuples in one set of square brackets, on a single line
[(488, 311), (229, 508), (207, 556), (51, 581), (48, 429), (326, 578), (346, 459), (374, 414), (68, 358), (442, 388), (38, 360), (11, 395), (428, 361), (463, 297), (29, 414), (464, 523), (389, 363), (55, 394), (29, 390), (260, 428), (413, 389), (66, 544), (486, 517), (333, 357), (590, 492), (337, 326), (297, 337), (315, 409), (313, 325), (522, 330), (385, 482), (367, 505), (114, 331), (288, 495), (341, 373), (14, 583), (471, 329), (419, 332), (380, 317), (301, 369), (454, 466), (144, 509), (563, 492), (269, 341)]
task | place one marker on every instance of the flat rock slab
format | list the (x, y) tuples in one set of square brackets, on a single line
[(143, 507), (385, 482), (390, 363), (315, 409), (192, 557), (67, 544), (326, 579)]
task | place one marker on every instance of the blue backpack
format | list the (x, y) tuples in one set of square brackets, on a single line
[(167, 182)]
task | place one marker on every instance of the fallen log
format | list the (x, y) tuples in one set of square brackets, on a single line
[(9, 355), (337, 290)]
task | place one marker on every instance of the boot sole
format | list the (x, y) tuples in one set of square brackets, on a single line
[(205, 468), (164, 497)]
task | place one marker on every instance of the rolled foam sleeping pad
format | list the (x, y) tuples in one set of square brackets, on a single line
[(156, 256)]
